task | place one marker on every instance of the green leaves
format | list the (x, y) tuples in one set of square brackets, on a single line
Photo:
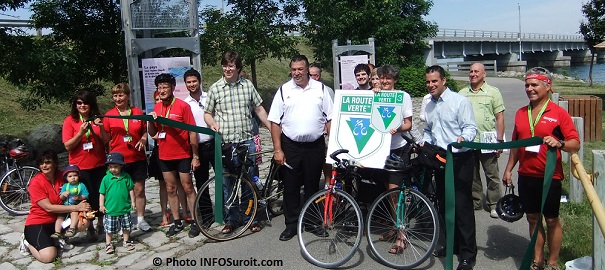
[(397, 26), (256, 29)]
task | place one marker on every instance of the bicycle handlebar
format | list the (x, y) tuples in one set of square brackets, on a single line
[(338, 152)]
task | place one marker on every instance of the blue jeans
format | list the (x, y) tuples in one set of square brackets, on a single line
[(232, 215)]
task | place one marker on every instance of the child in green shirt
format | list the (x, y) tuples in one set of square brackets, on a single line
[(116, 200)]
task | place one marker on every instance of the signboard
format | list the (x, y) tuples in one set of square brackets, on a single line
[(361, 124), (347, 70), (177, 66)]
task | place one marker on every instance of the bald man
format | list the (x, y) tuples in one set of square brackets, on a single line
[(488, 108)]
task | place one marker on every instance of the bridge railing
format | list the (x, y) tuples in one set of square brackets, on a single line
[(503, 34)]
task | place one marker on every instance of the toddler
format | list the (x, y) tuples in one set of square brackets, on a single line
[(116, 200), (72, 193)]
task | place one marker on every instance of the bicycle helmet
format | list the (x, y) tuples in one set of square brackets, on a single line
[(394, 162), (509, 207), (19, 150)]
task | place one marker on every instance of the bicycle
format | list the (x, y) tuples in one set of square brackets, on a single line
[(244, 196), (15, 178), (330, 222), (402, 223)]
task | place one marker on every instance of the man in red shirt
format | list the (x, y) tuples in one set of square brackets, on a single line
[(545, 119), (176, 147)]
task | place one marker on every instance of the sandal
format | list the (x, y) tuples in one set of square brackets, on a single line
[(167, 222), (390, 235), (228, 228), (536, 266), (256, 228), (55, 235), (395, 249), (109, 249), (70, 232), (129, 245)]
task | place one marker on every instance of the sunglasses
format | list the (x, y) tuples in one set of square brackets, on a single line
[(81, 103), (46, 162)]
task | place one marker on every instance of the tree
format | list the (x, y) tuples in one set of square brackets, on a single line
[(397, 26), (12, 4), (256, 29), (593, 29), (85, 47)]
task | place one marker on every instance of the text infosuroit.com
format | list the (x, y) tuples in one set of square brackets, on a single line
[(217, 261)]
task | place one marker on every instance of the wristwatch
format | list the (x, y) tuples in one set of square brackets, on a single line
[(196, 157), (562, 142)]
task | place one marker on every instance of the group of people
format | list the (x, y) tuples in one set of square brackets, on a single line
[(299, 120)]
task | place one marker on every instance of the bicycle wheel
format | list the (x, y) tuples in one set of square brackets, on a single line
[(416, 233), (240, 203), (329, 245), (274, 190), (13, 190)]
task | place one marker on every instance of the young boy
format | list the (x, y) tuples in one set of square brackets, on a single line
[(72, 193), (116, 200)]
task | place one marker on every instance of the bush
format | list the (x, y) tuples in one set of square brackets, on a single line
[(411, 80)]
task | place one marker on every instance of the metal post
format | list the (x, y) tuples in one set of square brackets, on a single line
[(520, 46)]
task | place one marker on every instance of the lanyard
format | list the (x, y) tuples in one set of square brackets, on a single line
[(125, 120), (533, 124), (168, 111), (87, 131)]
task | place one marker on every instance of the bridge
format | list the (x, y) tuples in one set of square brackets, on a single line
[(510, 50)]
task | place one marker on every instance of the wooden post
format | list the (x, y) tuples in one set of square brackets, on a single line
[(598, 165), (576, 192)]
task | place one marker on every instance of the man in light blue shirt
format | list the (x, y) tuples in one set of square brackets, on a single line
[(450, 118)]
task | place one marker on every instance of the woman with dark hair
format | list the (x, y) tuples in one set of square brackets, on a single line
[(44, 189), (129, 138), (82, 140)]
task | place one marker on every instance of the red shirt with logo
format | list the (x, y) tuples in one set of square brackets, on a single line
[(533, 164), (85, 159), (40, 188), (117, 131), (176, 143)]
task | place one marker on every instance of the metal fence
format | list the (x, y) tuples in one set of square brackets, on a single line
[(503, 34), (161, 14)]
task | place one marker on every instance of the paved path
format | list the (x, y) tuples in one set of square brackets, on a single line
[(501, 244)]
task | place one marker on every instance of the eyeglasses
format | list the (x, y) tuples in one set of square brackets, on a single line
[(231, 67), (81, 103), (201, 105)]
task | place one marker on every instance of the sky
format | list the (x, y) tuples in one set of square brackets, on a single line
[(537, 16)]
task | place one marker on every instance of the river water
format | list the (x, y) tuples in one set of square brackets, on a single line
[(581, 72)]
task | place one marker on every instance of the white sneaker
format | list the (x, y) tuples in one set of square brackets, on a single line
[(493, 214), (24, 246), (143, 226), (64, 245)]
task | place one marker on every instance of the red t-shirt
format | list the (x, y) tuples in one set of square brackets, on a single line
[(533, 164), (85, 159), (176, 144), (40, 188), (116, 129)]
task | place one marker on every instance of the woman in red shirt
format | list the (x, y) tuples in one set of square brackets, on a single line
[(129, 137), (44, 189), (86, 149)]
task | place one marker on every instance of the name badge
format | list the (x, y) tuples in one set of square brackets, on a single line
[(87, 146), (127, 138), (534, 149), (162, 135)]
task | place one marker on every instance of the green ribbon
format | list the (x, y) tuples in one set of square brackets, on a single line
[(218, 153), (450, 200)]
